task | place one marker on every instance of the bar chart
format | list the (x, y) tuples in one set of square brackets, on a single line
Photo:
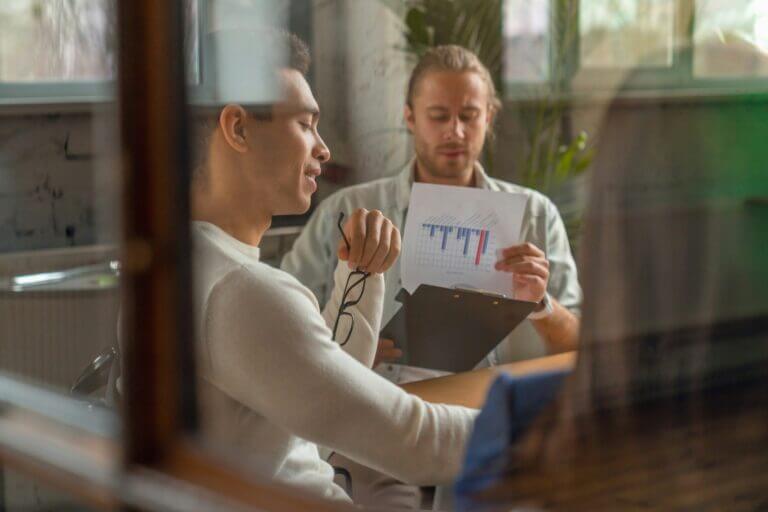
[(448, 243), (453, 236)]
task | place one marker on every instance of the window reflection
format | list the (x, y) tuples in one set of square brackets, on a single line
[(672, 363), (672, 357), (59, 270), (70, 41), (55, 40), (59, 222), (627, 33), (731, 39), (526, 41), (660, 199), (23, 494)]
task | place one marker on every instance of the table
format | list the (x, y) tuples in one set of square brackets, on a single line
[(469, 388), (705, 451)]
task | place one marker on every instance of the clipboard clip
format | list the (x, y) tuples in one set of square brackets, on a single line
[(481, 292)]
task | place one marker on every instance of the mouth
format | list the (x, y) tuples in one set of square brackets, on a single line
[(452, 152), (311, 174)]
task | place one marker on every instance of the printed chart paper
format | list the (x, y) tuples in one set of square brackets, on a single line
[(453, 237)]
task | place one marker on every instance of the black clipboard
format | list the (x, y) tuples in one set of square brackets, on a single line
[(452, 329)]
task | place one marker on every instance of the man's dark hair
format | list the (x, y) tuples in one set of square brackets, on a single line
[(299, 58), (256, 52)]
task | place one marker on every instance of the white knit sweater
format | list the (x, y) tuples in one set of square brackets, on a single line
[(273, 383)]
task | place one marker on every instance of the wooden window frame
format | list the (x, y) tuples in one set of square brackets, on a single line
[(154, 461)]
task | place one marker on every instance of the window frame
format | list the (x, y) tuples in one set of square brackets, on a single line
[(154, 462), (83, 95), (669, 81)]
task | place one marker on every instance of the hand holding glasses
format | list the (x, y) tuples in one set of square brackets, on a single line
[(370, 242), (353, 291), (374, 248)]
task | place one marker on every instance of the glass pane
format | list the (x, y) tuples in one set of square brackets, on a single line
[(22, 494), (673, 341), (58, 260), (60, 209), (294, 353), (731, 39), (526, 41), (68, 40), (626, 33), (312, 433), (51, 40), (674, 337)]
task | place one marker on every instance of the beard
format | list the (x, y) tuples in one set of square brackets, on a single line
[(432, 165)]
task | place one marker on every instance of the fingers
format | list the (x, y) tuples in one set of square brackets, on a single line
[(342, 251), (355, 230), (388, 355), (382, 248), (530, 280), (386, 352), (529, 287), (386, 343), (525, 249), (530, 270), (395, 245), (374, 222), (533, 266), (374, 241)]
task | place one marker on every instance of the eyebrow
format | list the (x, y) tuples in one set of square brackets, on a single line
[(306, 109), (445, 109), (302, 109)]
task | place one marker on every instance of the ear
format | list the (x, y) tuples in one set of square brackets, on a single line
[(490, 117), (232, 121), (409, 117)]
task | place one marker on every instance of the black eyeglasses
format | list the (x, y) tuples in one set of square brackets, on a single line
[(353, 291)]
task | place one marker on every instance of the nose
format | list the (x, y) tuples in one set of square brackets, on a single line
[(321, 151), (456, 130)]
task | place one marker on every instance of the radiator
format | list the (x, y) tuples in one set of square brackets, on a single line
[(49, 336)]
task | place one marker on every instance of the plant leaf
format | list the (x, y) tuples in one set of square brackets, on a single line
[(417, 32)]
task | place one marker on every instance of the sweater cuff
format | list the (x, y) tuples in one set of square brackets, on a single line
[(373, 296), (367, 312)]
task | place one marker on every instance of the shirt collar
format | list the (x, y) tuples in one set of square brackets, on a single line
[(406, 178), (221, 237)]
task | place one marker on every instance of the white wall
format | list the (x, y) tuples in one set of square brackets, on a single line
[(360, 81), (46, 197)]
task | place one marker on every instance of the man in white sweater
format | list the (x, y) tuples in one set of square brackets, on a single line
[(273, 381)]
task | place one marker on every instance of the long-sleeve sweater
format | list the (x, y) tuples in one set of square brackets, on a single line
[(274, 384)]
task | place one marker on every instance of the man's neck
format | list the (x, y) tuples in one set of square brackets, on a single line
[(465, 179), (248, 229)]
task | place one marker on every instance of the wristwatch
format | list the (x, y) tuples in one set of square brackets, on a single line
[(543, 309)]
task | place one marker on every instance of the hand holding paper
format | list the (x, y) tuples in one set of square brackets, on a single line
[(530, 270), (453, 240), (454, 236)]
